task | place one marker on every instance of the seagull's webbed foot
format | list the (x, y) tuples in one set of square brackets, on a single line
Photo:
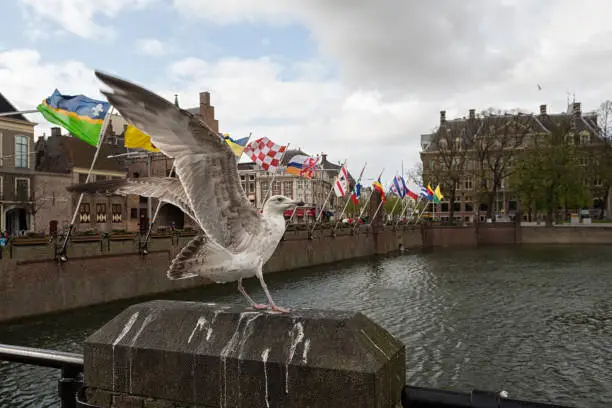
[(279, 309)]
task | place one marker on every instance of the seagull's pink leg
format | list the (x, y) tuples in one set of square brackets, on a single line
[(251, 301), (272, 305)]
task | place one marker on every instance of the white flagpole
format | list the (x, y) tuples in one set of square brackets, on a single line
[(18, 112), (395, 205), (347, 201), (331, 190), (376, 212), (93, 163), (263, 201), (367, 202)]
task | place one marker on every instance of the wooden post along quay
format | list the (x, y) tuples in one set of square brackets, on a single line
[(191, 354)]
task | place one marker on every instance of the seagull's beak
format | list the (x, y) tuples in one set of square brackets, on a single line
[(298, 203)]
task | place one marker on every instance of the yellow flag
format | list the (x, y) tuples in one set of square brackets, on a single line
[(137, 139), (438, 193)]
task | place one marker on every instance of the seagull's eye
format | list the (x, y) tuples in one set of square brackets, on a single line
[(279, 199)]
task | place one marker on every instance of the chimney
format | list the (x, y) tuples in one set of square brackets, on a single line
[(56, 131), (207, 111), (542, 109), (576, 109), (472, 114), (323, 157), (442, 116)]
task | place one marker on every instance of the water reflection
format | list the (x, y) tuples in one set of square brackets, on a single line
[(535, 322)]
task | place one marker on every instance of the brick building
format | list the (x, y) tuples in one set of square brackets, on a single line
[(63, 160), (16, 171), (453, 154)]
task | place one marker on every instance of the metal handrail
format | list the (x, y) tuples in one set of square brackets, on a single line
[(72, 392), (69, 364), (420, 397)]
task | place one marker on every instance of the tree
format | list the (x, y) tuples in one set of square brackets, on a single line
[(599, 157), (495, 141), (449, 166), (548, 174)]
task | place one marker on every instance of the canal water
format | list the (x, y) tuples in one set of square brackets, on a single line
[(536, 322)]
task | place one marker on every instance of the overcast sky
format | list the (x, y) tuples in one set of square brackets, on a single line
[(357, 79)]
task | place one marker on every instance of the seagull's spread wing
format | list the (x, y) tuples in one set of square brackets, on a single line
[(204, 163), (166, 189)]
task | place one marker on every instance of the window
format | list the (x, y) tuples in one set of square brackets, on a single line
[(82, 178), (469, 207), (21, 151), (84, 213), (117, 213), (585, 138), (276, 188), (133, 213), (288, 188), (1, 188), (100, 178), (597, 182), (468, 183), (22, 189), (101, 212)]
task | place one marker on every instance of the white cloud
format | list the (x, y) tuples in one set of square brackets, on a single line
[(26, 80), (399, 64), (77, 16), (151, 46)]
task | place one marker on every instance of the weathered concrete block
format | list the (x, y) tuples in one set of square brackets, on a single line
[(212, 355)]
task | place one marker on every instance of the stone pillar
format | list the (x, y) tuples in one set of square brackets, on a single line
[(191, 354)]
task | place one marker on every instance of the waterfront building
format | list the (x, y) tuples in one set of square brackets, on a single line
[(16, 171), (62, 160), (260, 185), (459, 152)]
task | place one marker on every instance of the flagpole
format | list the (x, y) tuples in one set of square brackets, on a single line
[(368, 201), (105, 123), (347, 201), (274, 176), (376, 212), (395, 205), (331, 190), (159, 205), (18, 112)]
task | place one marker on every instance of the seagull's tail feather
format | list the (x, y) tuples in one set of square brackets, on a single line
[(200, 256)]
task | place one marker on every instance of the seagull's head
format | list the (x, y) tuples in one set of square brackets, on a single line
[(279, 203)]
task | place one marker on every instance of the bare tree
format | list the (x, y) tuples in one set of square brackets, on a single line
[(599, 157), (449, 165), (495, 141)]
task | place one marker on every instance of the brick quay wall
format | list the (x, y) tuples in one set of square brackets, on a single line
[(99, 270)]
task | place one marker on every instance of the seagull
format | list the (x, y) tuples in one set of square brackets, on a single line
[(236, 239)]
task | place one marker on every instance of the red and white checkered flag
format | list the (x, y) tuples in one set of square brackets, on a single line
[(265, 152)]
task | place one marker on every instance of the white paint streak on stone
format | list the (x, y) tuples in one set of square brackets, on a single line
[(306, 350), (209, 332), (297, 335), (120, 337), (374, 344), (148, 319), (264, 359), (229, 347), (126, 328), (198, 327)]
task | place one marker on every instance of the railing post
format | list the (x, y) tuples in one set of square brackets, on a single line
[(68, 385)]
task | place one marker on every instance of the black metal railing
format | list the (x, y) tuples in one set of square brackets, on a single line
[(419, 397), (70, 384), (69, 364)]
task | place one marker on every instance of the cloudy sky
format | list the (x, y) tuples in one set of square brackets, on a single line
[(356, 79)]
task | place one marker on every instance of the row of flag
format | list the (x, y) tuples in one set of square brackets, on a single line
[(84, 117)]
